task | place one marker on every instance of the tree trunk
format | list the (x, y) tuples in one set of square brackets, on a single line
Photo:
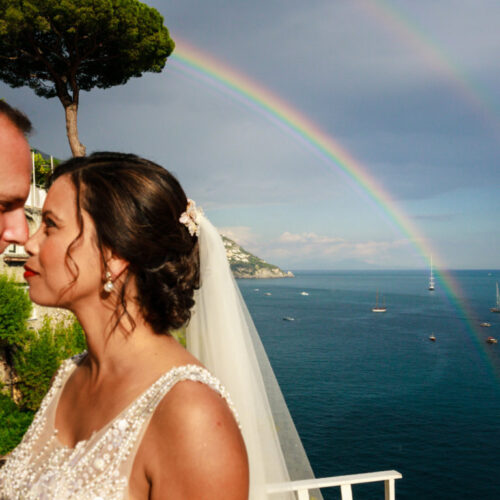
[(77, 148)]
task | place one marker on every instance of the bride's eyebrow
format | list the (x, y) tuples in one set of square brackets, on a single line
[(50, 213)]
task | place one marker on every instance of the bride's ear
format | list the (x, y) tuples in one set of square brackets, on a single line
[(115, 265)]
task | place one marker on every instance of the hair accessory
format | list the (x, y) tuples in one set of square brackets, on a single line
[(109, 285), (190, 218)]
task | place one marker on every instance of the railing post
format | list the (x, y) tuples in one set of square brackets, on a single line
[(303, 494), (346, 492), (390, 489), (303, 487)]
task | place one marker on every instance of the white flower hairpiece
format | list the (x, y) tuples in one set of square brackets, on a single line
[(190, 218)]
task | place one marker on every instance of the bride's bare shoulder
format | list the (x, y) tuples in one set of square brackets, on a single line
[(193, 447)]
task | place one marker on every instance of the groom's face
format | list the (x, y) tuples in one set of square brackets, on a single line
[(15, 173)]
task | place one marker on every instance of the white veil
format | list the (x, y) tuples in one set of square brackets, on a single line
[(221, 334)]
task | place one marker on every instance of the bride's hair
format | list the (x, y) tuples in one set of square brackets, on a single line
[(135, 205)]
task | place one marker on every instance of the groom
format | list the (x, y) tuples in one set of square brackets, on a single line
[(15, 174)]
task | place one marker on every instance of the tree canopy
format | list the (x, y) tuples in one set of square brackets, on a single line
[(59, 47)]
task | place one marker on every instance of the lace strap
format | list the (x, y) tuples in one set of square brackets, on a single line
[(148, 402), (129, 428)]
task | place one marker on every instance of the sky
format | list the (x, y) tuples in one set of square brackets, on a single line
[(407, 90)]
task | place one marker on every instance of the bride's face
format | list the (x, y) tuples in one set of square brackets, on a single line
[(51, 270)]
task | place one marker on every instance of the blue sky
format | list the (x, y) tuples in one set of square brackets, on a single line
[(391, 93)]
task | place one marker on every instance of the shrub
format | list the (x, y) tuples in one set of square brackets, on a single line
[(15, 309), (180, 335), (38, 360), (14, 424)]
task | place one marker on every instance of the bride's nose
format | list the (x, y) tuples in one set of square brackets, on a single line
[(33, 244)]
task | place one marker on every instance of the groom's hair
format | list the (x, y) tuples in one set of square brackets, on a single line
[(16, 117), (135, 205)]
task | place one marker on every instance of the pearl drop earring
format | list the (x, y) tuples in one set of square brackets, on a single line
[(109, 285)]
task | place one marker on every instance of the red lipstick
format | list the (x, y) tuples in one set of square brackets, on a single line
[(29, 272)]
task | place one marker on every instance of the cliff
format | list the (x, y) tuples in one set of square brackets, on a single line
[(246, 265)]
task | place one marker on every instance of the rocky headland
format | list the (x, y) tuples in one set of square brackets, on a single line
[(246, 265)]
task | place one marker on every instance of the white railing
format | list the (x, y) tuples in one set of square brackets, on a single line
[(302, 487)]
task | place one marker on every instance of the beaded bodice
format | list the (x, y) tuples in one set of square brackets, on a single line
[(99, 467)]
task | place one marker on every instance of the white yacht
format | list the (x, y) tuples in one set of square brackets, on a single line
[(496, 309), (432, 286)]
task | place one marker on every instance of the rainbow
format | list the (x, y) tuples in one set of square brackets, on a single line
[(206, 69), (437, 60)]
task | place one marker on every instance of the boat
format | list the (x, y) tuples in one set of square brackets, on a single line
[(485, 324), (379, 309), (492, 340), (432, 286), (267, 293), (288, 318), (496, 309), (304, 293), (432, 338)]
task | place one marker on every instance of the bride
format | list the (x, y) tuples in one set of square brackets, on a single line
[(137, 416)]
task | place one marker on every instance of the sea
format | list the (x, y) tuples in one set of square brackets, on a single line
[(371, 392)]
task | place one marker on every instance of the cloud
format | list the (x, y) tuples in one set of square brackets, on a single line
[(309, 238), (299, 249), (243, 235), (436, 217), (376, 248)]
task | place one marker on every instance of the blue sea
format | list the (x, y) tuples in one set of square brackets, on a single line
[(370, 392)]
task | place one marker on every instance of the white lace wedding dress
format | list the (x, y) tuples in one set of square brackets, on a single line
[(221, 334), (99, 467)]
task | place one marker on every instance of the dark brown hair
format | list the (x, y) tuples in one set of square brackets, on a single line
[(16, 117), (135, 205)]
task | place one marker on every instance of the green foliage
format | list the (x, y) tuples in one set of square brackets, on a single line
[(180, 335), (61, 46), (15, 309), (34, 355), (38, 360), (43, 170), (14, 424)]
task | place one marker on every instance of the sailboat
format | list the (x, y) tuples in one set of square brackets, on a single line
[(431, 279), (377, 308), (496, 309)]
